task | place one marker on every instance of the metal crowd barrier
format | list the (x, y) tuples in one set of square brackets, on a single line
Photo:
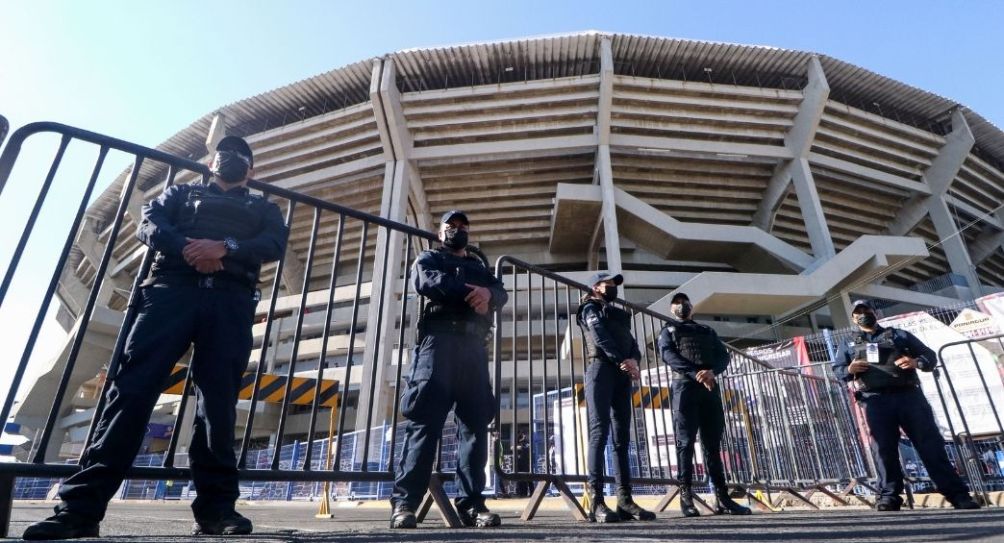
[(539, 361), (791, 431), (786, 430), (340, 237), (4, 127), (978, 453)]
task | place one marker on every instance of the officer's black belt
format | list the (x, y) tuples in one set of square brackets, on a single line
[(200, 281), (466, 328), (677, 376), (892, 389)]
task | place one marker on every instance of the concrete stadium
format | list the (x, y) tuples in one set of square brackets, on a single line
[(771, 185)]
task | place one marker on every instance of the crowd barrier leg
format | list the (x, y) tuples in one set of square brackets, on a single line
[(437, 495), (536, 497), (791, 491), (571, 503), (829, 493), (6, 502), (667, 499), (848, 491), (540, 491), (756, 501)]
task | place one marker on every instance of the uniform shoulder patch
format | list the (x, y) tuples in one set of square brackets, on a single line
[(592, 318)]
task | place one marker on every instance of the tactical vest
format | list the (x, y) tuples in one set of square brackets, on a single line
[(697, 343), (618, 323), (470, 270), (209, 215), (884, 374)]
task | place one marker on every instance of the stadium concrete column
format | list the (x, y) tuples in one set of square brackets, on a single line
[(383, 308), (939, 176), (987, 243), (798, 140), (604, 166), (953, 244), (840, 309)]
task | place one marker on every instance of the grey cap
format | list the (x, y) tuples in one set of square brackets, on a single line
[(599, 277), (454, 214)]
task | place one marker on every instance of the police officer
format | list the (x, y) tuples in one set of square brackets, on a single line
[(697, 356), (210, 241), (449, 370), (881, 365), (612, 352)]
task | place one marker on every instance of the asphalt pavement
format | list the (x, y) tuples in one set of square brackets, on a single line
[(366, 522)]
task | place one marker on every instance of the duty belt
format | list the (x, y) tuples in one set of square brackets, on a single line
[(467, 328), (199, 281)]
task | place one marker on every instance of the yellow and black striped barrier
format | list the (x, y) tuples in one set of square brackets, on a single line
[(273, 388), (644, 396)]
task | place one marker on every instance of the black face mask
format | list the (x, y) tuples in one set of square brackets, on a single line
[(865, 320), (610, 294), (455, 238), (682, 311), (230, 166)]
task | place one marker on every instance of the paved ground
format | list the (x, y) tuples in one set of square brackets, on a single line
[(170, 522)]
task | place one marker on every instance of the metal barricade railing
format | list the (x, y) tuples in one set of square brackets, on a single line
[(4, 127), (786, 430), (979, 451), (539, 363), (792, 431), (339, 236)]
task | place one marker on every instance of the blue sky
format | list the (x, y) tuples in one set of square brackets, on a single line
[(143, 70)]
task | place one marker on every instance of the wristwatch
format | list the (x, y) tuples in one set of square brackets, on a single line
[(231, 245)]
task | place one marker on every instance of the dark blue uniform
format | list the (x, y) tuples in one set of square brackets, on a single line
[(689, 347), (893, 399), (178, 307), (449, 370), (607, 333)]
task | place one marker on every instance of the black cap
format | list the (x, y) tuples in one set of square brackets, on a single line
[(679, 296), (861, 303), (237, 145), (455, 214), (599, 277)]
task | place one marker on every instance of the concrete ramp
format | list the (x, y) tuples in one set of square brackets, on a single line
[(746, 248), (865, 261)]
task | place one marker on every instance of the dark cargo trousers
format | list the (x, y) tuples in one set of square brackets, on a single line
[(697, 409), (449, 371), (887, 412), (169, 320), (608, 398)]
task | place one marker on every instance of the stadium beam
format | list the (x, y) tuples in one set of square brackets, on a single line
[(604, 167), (938, 176), (400, 179), (954, 244), (986, 244), (798, 140)]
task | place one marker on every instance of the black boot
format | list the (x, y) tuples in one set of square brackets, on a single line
[(599, 512), (478, 517), (403, 517), (231, 523), (687, 502), (964, 501), (627, 509), (725, 506), (64, 525)]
